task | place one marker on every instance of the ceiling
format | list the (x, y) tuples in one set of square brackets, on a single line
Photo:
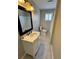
[(44, 4)]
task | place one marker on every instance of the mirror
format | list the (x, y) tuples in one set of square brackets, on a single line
[(25, 20)]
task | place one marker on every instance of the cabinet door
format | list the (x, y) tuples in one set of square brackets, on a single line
[(36, 46), (28, 48)]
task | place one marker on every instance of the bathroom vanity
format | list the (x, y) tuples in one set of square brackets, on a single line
[(30, 39), (31, 43)]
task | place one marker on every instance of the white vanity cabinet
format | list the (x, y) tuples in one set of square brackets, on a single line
[(31, 43)]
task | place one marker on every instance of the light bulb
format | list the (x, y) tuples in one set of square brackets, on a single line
[(22, 1)]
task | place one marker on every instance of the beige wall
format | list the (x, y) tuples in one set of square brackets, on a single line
[(20, 48), (56, 41)]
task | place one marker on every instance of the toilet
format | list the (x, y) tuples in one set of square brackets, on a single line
[(43, 31)]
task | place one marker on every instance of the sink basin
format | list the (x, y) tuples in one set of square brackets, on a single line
[(33, 34), (31, 37)]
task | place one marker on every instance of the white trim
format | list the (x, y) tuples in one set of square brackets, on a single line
[(52, 51)]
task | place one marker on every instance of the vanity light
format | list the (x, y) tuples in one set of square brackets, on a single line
[(26, 5), (22, 1), (29, 7)]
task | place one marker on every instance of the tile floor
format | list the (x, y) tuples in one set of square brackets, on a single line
[(45, 51)]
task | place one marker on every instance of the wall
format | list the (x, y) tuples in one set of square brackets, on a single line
[(45, 24), (36, 19), (56, 40), (35, 16), (20, 48)]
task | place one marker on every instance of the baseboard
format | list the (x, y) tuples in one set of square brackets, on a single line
[(52, 52)]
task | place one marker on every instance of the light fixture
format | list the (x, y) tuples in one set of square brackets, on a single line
[(27, 5), (22, 1)]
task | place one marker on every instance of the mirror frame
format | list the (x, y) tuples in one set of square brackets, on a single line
[(19, 24)]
